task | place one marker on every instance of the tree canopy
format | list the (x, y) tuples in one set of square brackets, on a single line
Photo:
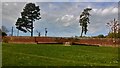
[(84, 20), (30, 13), (4, 34), (3, 31), (115, 29)]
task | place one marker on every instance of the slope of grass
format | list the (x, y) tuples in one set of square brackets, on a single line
[(0, 54), (58, 55)]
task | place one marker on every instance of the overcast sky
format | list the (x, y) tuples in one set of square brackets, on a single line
[(62, 18)]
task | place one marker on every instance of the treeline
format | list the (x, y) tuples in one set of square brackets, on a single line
[(110, 35)]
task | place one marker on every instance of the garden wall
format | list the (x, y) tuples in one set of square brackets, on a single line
[(87, 41), (100, 41), (19, 39)]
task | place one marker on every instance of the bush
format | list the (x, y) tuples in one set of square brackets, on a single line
[(101, 36), (114, 35), (4, 34)]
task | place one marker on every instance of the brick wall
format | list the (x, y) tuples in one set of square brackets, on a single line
[(45, 40), (87, 41), (20, 39), (100, 41)]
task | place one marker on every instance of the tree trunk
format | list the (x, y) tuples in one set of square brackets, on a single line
[(12, 32), (32, 30), (81, 32)]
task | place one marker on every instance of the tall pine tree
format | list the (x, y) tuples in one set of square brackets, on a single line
[(30, 13)]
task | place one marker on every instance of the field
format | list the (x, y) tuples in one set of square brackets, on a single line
[(58, 55)]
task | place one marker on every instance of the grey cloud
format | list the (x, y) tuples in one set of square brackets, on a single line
[(60, 0), (98, 21), (52, 13), (0, 14), (10, 13)]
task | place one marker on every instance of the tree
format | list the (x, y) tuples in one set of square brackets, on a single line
[(115, 29), (30, 13), (4, 34), (100, 36), (114, 26), (84, 20), (3, 31)]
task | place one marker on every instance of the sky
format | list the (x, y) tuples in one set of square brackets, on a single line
[(62, 18), (60, 0)]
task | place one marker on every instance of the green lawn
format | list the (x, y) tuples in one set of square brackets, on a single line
[(58, 55)]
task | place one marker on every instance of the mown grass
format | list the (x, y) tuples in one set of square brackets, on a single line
[(58, 55)]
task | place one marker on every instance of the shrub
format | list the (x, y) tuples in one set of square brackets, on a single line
[(4, 34)]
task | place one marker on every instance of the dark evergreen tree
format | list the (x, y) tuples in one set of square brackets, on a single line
[(30, 13)]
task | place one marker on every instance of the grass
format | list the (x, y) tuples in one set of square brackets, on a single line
[(0, 54), (58, 55)]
